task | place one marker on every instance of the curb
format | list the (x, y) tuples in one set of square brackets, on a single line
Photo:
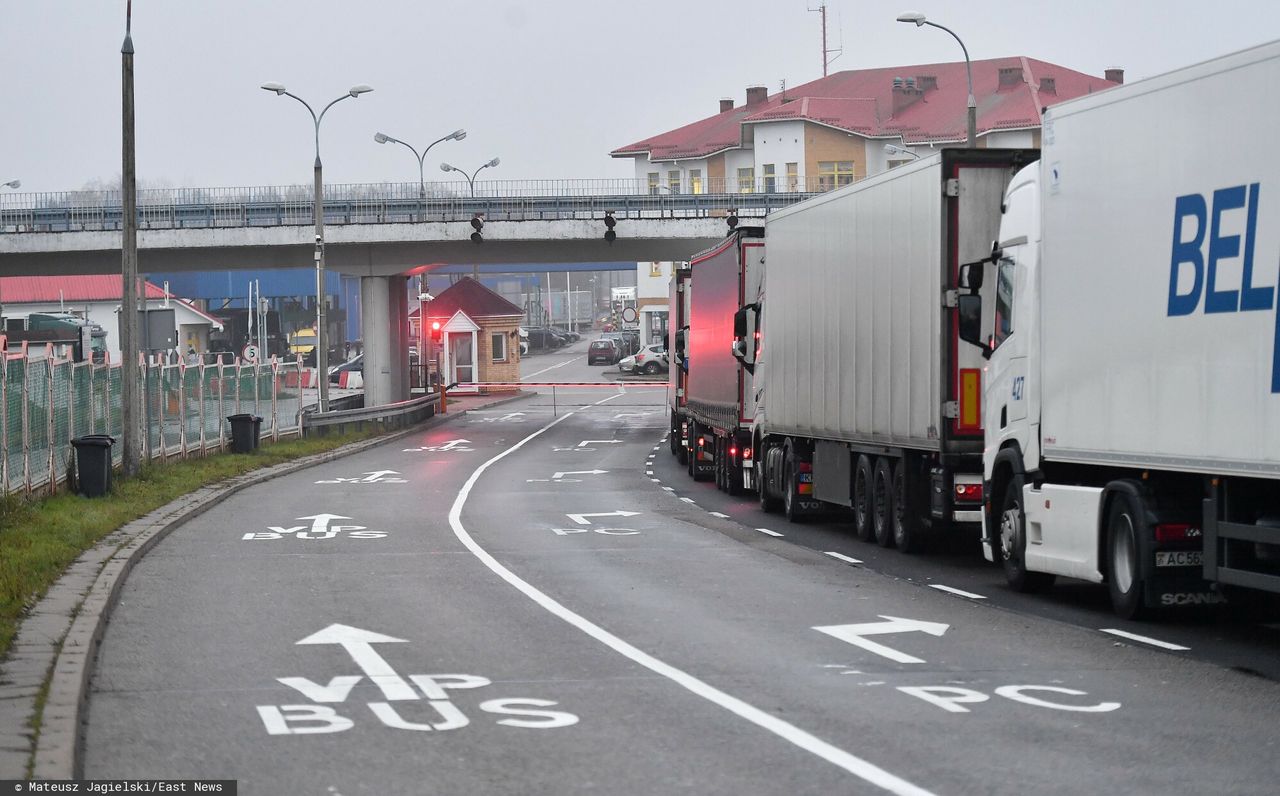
[(56, 643)]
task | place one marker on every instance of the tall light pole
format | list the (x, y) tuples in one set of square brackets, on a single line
[(918, 20), (471, 178), (456, 135), (130, 394), (322, 342), (14, 184)]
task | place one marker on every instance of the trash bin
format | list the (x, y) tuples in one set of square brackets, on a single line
[(93, 464), (245, 429)]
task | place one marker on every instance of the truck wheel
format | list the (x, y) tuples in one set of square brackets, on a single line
[(691, 457), (1013, 543), (768, 503), (1124, 569), (790, 504), (862, 477), (732, 476), (882, 501), (908, 537)]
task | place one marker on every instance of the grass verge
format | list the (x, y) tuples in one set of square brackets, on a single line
[(40, 537)]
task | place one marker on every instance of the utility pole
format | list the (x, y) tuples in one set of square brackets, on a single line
[(129, 262), (822, 10)]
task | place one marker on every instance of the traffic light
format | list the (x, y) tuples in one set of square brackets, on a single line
[(436, 332), (477, 222), (609, 222)]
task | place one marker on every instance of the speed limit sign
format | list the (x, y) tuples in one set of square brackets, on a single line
[(249, 353)]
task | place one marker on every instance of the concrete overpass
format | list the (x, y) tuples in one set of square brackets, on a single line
[(382, 234)]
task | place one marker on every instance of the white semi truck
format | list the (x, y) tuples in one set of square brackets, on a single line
[(865, 396), (1132, 393)]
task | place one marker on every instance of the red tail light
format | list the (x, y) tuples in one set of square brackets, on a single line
[(733, 450), (804, 467), (969, 492), (701, 441), (746, 453), (1176, 532)]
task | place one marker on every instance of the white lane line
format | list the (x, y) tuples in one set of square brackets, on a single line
[(766, 530), (656, 480), (553, 367), (950, 590), (1155, 642), (863, 769), (718, 514), (648, 472), (842, 557), (687, 500), (669, 488)]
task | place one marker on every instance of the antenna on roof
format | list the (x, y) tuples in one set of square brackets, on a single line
[(826, 51), (782, 87)]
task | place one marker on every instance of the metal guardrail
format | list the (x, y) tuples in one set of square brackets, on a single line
[(386, 417), (275, 206)]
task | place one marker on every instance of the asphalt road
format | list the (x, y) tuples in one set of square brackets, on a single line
[(532, 599)]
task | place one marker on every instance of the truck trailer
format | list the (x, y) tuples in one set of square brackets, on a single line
[(865, 396), (1132, 400), (677, 334), (714, 422)]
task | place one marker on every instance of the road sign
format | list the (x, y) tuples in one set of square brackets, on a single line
[(854, 634), (249, 353), (629, 315)]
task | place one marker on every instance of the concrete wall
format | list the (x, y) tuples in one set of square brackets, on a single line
[(780, 143)]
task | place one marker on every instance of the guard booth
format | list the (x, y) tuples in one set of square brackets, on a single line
[(479, 337)]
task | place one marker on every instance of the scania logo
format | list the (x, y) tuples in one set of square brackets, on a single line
[(1192, 598)]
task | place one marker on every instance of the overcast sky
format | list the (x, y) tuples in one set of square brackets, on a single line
[(549, 86)]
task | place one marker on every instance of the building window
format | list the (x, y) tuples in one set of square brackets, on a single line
[(834, 173), (793, 177), (695, 180), (653, 182), (655, 270), (673, 181), (747, 180), (770, 185), (498, 343)]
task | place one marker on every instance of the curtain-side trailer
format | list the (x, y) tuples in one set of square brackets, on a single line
[(865, 396), (677, 333), (1133, 399)]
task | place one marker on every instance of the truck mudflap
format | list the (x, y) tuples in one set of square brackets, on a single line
[(1181, 586)]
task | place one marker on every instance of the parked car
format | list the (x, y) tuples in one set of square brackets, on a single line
[(543, 339), (356, 365), (649, 360), (603, 352), (632, 338)]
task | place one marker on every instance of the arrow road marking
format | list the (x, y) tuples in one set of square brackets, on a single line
[(451, 445), (559, 478), (586, 442), (854, 634), (320, 522), (581, 519), (359, 645)]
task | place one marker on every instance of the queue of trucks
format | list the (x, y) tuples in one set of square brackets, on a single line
[(1072, 354)]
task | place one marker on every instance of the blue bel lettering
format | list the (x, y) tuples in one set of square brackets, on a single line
[(1189, 253)]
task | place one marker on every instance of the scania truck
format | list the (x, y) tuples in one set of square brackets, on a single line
[(1131, 402), (717, 390), (865, 396)]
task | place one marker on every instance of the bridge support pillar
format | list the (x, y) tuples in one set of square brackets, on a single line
[(384, 329)]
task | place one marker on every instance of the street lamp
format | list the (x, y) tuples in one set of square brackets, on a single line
[(456, 135), (471, 178), (918, 20), (892, 150), (14, 184), (322, 343)]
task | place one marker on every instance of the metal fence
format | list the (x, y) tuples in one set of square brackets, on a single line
[(365, 203), (45, 402)]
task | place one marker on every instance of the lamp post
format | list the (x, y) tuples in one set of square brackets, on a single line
[(322, 343), (456, 135), (471, 178), (892, 150), (918, 20), (14, 184)]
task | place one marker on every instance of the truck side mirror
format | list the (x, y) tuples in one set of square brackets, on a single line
[(678, 343), (971, 275), (744, 336), (969, 305)]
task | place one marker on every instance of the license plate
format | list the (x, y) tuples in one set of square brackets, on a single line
[(806, 478), (1179, 558)]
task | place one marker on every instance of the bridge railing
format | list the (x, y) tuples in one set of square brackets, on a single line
[(381, 203), (46, 401)]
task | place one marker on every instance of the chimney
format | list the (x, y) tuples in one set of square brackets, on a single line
[(1115, 74), (726, 104), (757, 95), (1010, 76), (927, 82), (1048, 85), (905, 94)]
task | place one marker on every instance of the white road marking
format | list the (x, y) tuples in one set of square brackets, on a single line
[(855, 765), (581, 519), (553, 367), (1155, 642), (656, 480), (669, 488), (718, 514), (857, 634), (843, 557), (687, 500), (766, 530), (950, 590)]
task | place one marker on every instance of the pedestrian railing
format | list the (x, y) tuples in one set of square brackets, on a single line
[(46, 401)]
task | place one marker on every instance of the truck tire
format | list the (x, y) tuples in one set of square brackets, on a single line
[(732, 476), (908, 536), (790, 503), (882, 501), (862, 478), (677, 449), (1013, 543), (690, 456), (768, 503), (1123, 557)]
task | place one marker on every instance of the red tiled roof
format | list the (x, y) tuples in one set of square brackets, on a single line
[(473, 298), (42, 289), (862, 101)]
